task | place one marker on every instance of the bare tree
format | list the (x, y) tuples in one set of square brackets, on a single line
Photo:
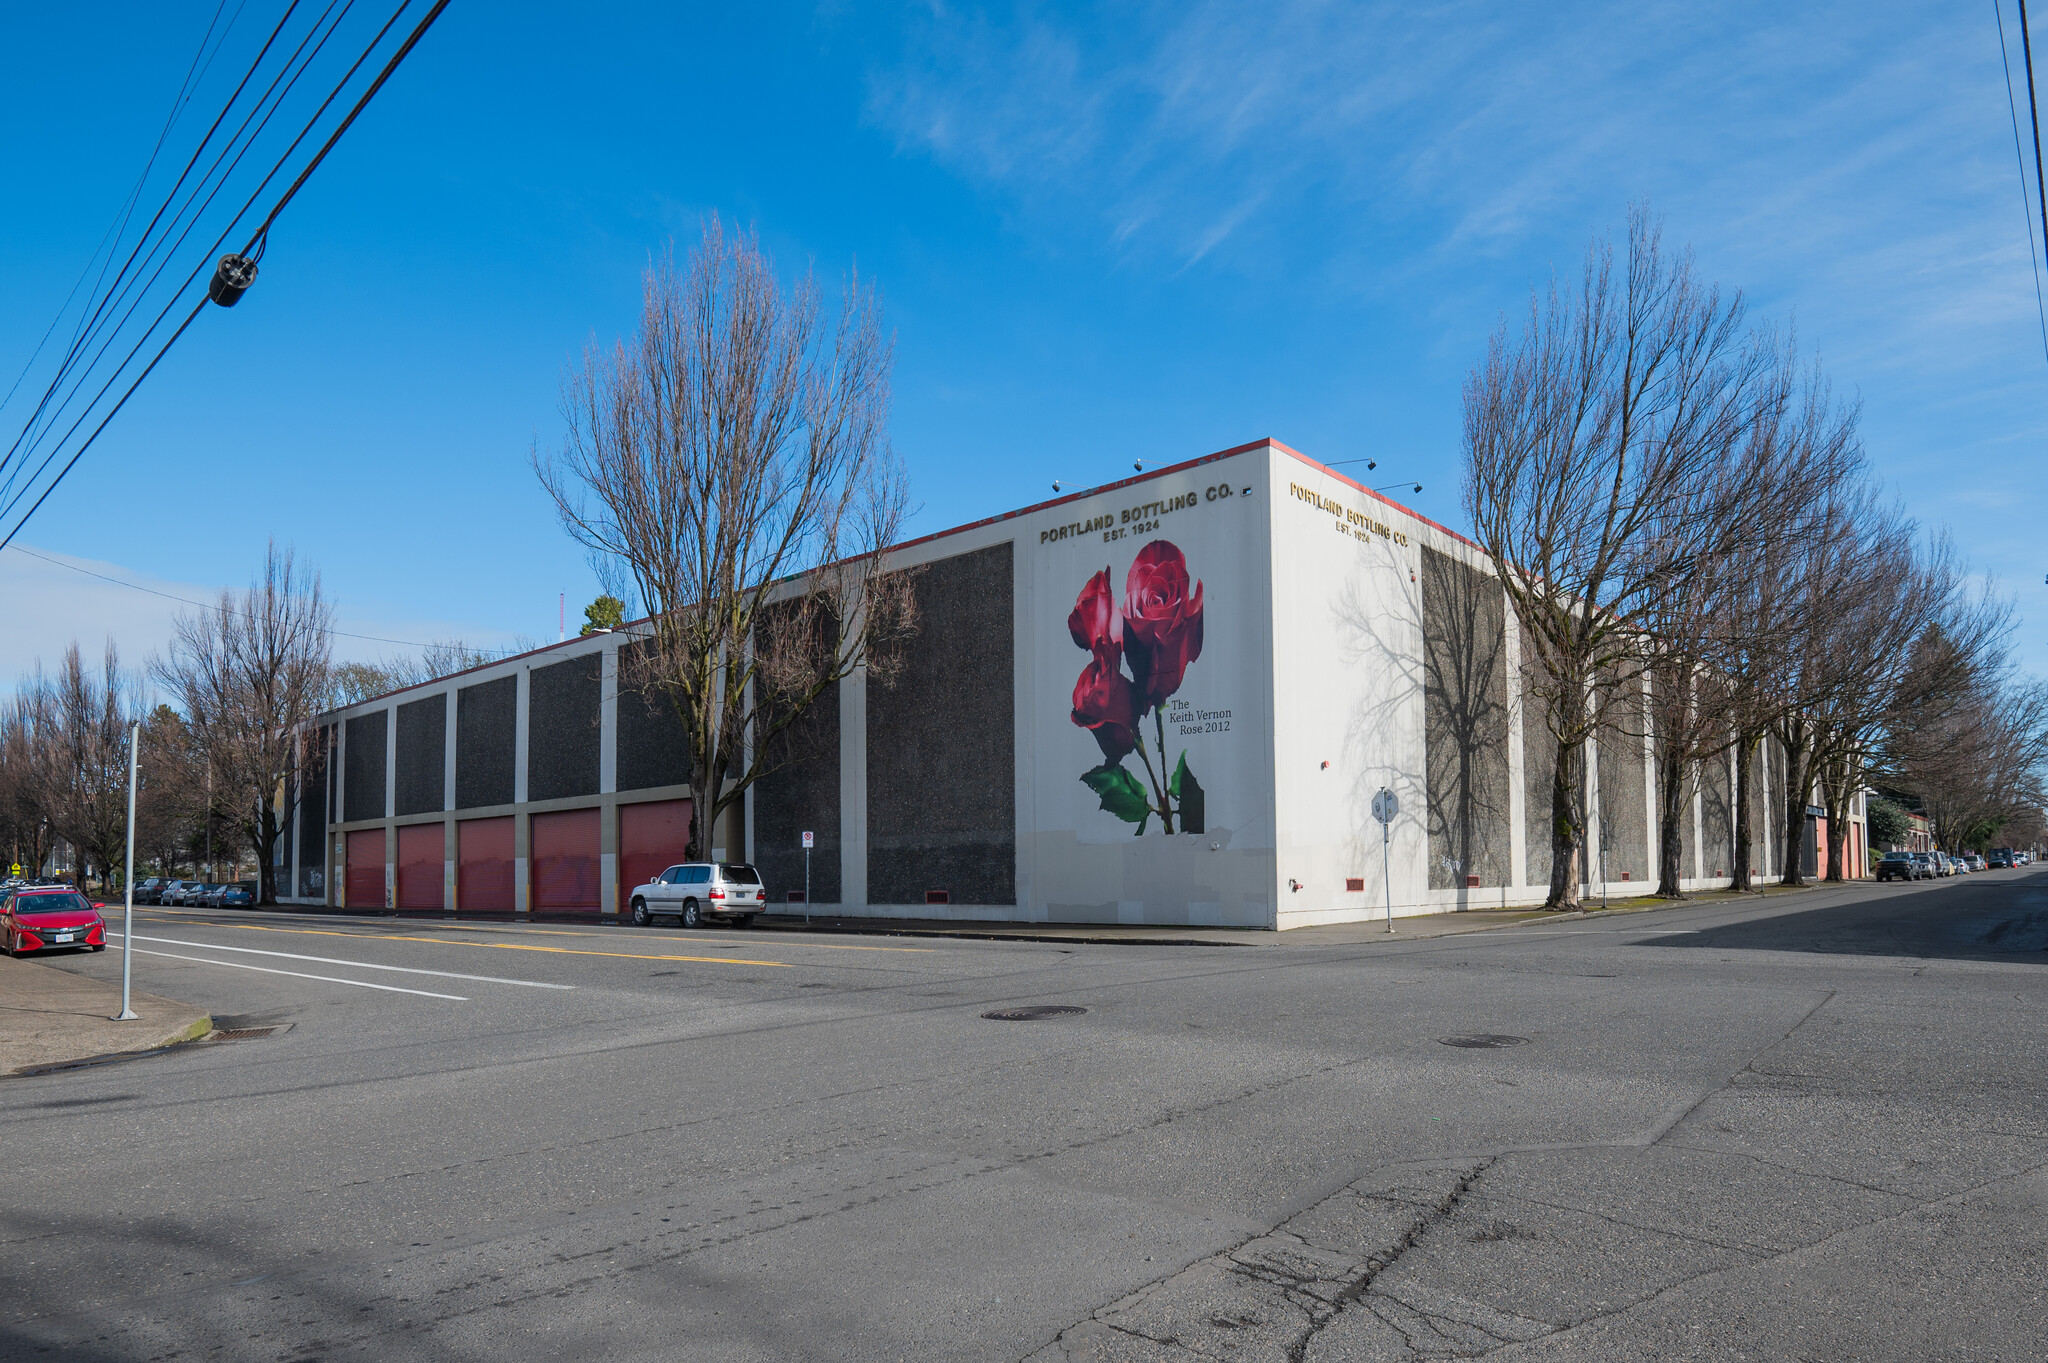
[(86, 783), (731, 467), (352, 682), (171, 792), (28, 756), (248, 673), (1597, 443), (1969, 738)]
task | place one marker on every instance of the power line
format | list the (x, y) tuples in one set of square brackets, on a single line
[(247, 258), (2026, 207), (119, 226), (188, 601), (34, 437), (2034, 112)]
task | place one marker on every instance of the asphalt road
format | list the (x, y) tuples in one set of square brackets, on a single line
[(1810, 1128)]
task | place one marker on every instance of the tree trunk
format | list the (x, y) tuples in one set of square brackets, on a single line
[(1798, 787), (1567, 825), (1745, 774), (1671, 787), (1835, 798)]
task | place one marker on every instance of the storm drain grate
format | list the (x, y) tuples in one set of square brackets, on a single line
[(1034, 1012), (248, 1033), (1485, 1041)]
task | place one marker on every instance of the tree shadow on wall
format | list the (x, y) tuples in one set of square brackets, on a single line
[(1465, 724), (1375, 636)]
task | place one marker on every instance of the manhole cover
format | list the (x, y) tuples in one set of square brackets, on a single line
[(1034, 1012), (1484, 1042)]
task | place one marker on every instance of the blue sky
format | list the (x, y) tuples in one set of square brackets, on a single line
[(1135, 231)]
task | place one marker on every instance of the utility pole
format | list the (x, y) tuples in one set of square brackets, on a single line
[(128, 1014)]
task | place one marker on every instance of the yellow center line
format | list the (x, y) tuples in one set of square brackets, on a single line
[(512, 946), (514, 928)]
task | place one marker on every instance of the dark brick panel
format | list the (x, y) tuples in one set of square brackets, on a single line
[(363, 781), (312, 818), (653, 749), (564, 741), (1465, 720), (486, 743), (422, 755), (801, 791), (941, 743)]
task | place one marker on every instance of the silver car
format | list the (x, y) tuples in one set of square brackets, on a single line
[(698, 891)]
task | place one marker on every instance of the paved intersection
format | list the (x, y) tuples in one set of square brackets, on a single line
[(1811, 1128)]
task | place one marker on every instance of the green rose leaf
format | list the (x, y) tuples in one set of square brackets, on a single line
[(1120, 792), (1188, 791)]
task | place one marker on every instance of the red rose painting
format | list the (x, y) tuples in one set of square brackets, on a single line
[(1157, 629), (1162, 621)]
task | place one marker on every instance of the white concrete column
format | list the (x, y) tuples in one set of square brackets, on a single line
[(1649, 787), (608, 718), (390, 761), (1518, 771), (390, 806), (521, 847), (448, 756), (853, 792)]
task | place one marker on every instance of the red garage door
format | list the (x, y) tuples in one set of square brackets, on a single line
[(652, 838), (421, 865), (565, 862), (363, 883), (483, 866)]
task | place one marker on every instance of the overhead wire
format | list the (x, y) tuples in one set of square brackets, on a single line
[(2005, 60), (117, 228), (202, 605), (35, 436), (256, 245)]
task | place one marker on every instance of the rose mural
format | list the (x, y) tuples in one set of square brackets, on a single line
[(1157, 630)]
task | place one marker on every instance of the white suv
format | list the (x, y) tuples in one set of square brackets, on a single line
[(696, 891)]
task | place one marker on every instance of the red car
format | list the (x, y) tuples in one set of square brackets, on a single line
[(37, 918)]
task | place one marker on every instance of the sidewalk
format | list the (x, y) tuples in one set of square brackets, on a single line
[(1335, 934), (49, 1016)]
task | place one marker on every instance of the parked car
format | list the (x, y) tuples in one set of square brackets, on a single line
[(235, 897), (35, 919), (697, 891), (1897, 866), (208, 895), (2000, 858), (1961, 865), (1976, 860), (147, 889), (186, 893), (1923, 864)]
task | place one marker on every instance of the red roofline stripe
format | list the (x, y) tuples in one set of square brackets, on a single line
[(1266, 443)]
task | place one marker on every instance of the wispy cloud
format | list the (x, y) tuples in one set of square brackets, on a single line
[(57, 599), (1850, 165)]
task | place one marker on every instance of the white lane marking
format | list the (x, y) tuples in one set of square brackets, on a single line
[(297, 974), (336, 960)]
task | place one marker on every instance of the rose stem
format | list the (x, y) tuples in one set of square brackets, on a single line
[(1165, 814)]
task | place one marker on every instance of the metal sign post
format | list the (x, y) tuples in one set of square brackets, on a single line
[(808, 839), (1385, 806), (128, 1014)]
